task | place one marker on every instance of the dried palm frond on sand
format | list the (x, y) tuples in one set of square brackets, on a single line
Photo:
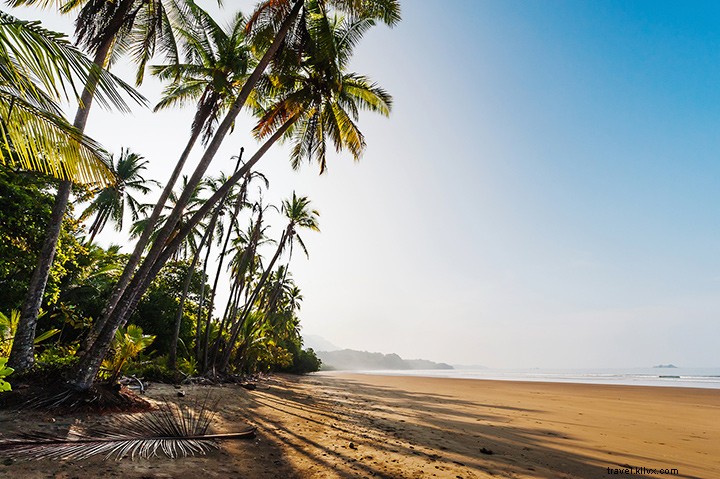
[(171, 430)]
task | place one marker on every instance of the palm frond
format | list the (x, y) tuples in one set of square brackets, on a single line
[(171, 430), (41, 141)]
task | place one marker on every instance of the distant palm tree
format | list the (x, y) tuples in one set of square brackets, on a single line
[(299, 215), (112, 201)]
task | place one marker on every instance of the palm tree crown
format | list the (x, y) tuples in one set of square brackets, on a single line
[(111, 202), (216, 67), (320, 98)]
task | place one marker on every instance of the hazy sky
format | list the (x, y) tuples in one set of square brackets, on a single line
[(544, 194)]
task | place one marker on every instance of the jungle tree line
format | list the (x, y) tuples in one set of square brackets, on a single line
[(287, 64)]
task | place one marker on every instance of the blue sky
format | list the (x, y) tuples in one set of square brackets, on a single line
[(544, 194)]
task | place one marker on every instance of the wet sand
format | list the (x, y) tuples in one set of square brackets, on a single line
[(351, 425)]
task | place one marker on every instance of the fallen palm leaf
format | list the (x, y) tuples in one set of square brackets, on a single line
[(171, 430)]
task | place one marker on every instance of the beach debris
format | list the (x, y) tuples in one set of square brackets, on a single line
[(171, 430), (484, 450), (352, 445), (181, 394)]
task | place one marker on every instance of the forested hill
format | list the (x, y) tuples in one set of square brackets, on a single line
[(349, 359)]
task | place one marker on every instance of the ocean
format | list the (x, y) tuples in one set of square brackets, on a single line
[(708, 378)]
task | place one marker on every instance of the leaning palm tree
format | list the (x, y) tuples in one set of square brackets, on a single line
[(306, 98), (132, 289), (106, 29), (112, 201), (282, 17), (318, 103)]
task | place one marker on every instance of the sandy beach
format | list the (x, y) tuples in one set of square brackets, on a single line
[(350, 425)]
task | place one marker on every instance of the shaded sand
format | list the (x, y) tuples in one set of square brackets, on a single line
[(348, 426)]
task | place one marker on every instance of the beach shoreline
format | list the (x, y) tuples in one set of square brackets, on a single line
[(344, 425)]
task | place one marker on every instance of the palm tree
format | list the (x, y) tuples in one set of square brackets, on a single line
[(310, 110), (111, 202), (106, 29), (240, 202), (285, 15), (21, 356), (131, 290), (299, 215), (245, 265)]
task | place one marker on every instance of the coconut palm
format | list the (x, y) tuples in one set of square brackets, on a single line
[(240, 202), (106, 29), (112, 201), (216, 65), (286, 18), (95, 83), (245, 265), (331, 105)]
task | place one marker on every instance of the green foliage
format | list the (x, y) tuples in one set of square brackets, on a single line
[(151, 371), (26, 202), (56, 359), (128, 343), (4, 372), (157, 309), (304, 361), (8, 325)]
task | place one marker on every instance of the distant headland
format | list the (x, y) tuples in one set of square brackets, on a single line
[(349, 360)]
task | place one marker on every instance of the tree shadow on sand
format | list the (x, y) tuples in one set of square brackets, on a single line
[(359, 430)]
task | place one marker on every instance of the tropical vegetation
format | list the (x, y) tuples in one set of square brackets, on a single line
[(92, 312)]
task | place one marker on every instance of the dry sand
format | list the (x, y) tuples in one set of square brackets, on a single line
[(349, 426)]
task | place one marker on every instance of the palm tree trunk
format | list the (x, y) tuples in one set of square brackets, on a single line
[(211, 303), (211, 231), (22, 354), (244, 264), (172, 358)]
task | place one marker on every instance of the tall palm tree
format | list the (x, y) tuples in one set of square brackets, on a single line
[(245, 265), (21, 357), (240, 202), (107, 29), (324, 104), (112, 201), (285, 15), (309, 110), (132, 289), (299, 215)]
